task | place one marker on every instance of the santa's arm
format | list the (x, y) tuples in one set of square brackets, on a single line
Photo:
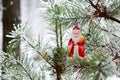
[(82, 41)]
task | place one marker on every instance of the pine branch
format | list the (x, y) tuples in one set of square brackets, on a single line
[(76, 18), (115, 9), (24, 69), (112, 18), (103, 14), (61, 37), (94, 6), (45, 59), (6, 70), (38, 53), (105, 30), (97, 2), (8, 56), (116, 56), (15, 78), (56, 32)]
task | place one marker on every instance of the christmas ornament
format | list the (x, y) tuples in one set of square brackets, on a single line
[(76, 44)]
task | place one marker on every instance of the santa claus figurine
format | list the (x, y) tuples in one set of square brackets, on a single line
[(76, 44)]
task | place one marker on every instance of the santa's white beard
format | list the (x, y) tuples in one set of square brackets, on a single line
[(76, 39)]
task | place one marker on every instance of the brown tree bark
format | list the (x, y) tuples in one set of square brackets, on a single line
[(10, 16)]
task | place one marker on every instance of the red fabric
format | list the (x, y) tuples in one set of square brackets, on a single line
[(81, 51), (70, 48), (76, 28), (80, 48), (81, 42)]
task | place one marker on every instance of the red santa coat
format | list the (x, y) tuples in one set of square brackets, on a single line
[(80, 45)]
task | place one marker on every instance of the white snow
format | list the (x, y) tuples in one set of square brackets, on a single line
[(113, 78)]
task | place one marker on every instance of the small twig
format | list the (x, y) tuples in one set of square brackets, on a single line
[(75, 18), (116, 57), (95, 6), (97, 2), (24, 69), (112, 18), (45, 59), (15, 78), (79, 72)]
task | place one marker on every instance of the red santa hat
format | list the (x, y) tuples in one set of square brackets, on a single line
[(76, 28)]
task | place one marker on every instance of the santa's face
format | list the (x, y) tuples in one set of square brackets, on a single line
[(76, 35)]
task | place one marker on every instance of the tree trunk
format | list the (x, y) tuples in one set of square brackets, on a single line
[(59, 77), (58, 71), (11, 15)]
